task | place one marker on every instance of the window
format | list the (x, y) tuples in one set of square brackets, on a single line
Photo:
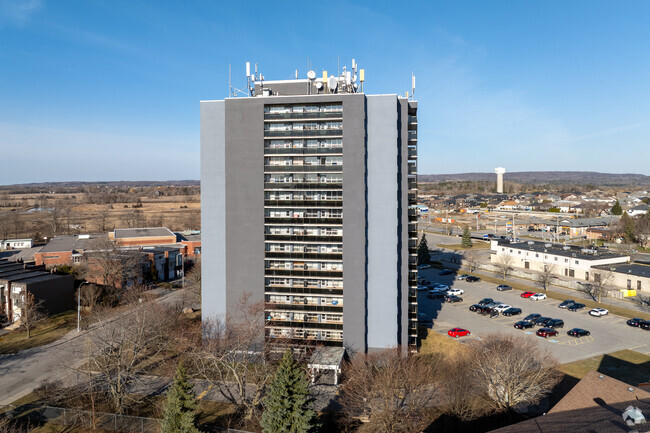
[(577, 262), (566, 260), (629, 284), (555, 259), (638, 285)]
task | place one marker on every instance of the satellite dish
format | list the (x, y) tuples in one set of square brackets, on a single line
[(319, 85), (311, 75), (332, 82), (355, 85)]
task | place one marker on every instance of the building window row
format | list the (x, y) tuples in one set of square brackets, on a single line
[(303, 265), (304, 231), (305, 248), (291, 316), (284, 109), (303, 178), (308, 334), (303, 213), (325, 143), (304, 195), (303, 126), (305, 282), (305, 300), (303, 160)]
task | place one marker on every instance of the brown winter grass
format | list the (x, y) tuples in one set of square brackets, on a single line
[(47, 332)]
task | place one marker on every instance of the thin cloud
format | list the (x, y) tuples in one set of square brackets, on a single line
[(18, 12)]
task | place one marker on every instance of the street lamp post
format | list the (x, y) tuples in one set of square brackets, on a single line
[(79, 305)]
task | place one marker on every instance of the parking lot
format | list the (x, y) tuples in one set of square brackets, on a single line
[(608, 333)]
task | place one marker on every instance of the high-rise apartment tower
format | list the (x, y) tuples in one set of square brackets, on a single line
[(308, 192)]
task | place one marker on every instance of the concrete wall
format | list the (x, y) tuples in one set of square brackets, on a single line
[(213, 209), (383, 290), (355, 247)]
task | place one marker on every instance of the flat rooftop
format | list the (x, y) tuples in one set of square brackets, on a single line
[(638, 269), (565, 250), (152, 232)]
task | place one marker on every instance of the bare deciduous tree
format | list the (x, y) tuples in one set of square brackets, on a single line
[(118, 348), (545, 277), (108, 265), (193, 281), (643, 301), (603, 278), (503, 265), (471, 260), (31, 314), (391, 390), (463, 397), (234, 358), (512, 370)]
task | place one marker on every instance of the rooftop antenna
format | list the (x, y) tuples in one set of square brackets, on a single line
[(412, 85), (296, 74), (362, 77)]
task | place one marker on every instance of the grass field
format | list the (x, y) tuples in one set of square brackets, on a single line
[(626, 365), (47, 332), (459, 247), (435, 343)]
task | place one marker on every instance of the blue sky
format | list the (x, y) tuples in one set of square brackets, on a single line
[(110, 90)]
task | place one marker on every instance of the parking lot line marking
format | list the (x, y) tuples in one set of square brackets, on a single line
[(638, 347), (552, 341)]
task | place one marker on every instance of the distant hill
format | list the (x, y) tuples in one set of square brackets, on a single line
[(547, 177)]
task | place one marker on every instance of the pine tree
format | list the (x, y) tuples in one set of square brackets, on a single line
[(423, 251), (617, 209), (287, 404), (180, 408), (467, 238)]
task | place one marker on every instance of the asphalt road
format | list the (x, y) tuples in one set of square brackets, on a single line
[(608, 334)]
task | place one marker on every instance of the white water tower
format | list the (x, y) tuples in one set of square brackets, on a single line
[(500, 171)]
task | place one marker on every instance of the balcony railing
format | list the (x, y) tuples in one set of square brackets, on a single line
[(304, 203), (304, 133), (303, 150), (305, 324), (413, 153), (309, 290), (305, 115), (300, 221), (413, 135), (305, 307), (303, 185), (302, 273), (303, 168), (303, 238), (298, 255)]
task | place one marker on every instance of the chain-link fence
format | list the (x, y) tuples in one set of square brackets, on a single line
[(37, 415)]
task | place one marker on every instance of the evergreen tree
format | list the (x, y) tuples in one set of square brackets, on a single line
[(287, 404), (467, 238), (180, 408), (423, 251), (617, 209)]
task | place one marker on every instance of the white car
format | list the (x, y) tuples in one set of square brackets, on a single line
[(462, 277), (422, 288), (455, 292), (502, 307), (440, 287), (537, 297), (597, 312)]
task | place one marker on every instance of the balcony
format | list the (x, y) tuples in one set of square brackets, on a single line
[(305, 115), (413, 135), (304, 307), (303, 185), (304, 133), (303, 168), (303, 150), (413, 120), (268, 272), (301, 221), (309, 290), (300, 255), (302, 238), (413, 153), (304, 203)]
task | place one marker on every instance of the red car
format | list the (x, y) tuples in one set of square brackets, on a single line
[(527, 294), (458, 332), (547, 332)]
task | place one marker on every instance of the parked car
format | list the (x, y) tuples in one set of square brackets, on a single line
[(532, 317), (455, 292), (555, 323), (598, 312), (422, 288), (645, 325), (462, 277), (440, 287), (434, 294), (537, 297), (542, 321), (484, 310), (446, 272), (512, 311), (494, 304), (485, 301), (503, 287), (575, 307), (567, 303), (422, 317), (453, 298), (474, 307), (424, 267), (472, 279), (458, 332), (523, 325), (578, 332), (636, 322), (527, 294), (546, 332), (502, 307), (423, 281)]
